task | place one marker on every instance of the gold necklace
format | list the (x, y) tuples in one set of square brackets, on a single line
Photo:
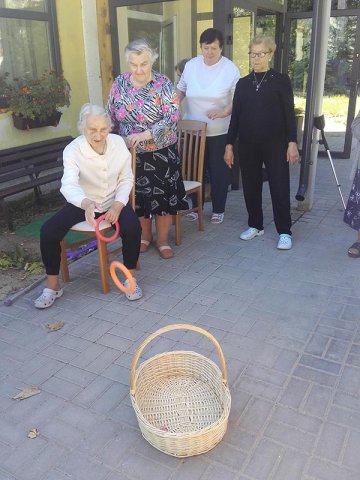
[(258, 84)]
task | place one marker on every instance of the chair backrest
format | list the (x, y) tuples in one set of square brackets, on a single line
[(191, 147)]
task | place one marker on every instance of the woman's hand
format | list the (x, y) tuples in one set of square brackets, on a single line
[(89, 206), (135, 138), (220, 113), (229, 156), (292, 153), (112, 215)]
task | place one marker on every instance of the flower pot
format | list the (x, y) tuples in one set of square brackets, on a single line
[(22, 123), (4, 102)]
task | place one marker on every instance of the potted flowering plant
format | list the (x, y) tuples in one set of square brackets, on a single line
[(36, 103)]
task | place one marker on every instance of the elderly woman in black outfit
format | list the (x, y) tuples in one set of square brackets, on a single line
[(263, 119)]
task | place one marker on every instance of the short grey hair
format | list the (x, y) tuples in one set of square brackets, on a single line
[(268, 41), (91, 110), (138, 47)]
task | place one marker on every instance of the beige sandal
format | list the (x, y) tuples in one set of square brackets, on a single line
[(144, 246), (165, 248)]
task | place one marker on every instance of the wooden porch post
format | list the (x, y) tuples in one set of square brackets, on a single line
[(104, 34)]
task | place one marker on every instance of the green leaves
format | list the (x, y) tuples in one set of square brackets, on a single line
[(19, 258), (38, 98)]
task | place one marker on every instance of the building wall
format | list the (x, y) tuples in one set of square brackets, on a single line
[(91, 48), (70, 26), (73, 57)]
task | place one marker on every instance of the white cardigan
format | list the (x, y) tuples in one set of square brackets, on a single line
[(101, 178)]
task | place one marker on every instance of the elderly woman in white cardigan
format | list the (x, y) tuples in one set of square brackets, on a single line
[(352, 212), (97, 180)]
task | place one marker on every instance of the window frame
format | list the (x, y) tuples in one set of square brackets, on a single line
[(51, 18)]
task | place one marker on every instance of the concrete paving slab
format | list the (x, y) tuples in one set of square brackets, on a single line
[(288, 323)]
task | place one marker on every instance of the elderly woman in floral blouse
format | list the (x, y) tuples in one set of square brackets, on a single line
[(145, 110)]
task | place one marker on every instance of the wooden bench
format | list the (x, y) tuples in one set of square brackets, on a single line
[(29, 167)]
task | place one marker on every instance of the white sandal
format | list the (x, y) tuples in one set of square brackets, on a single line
[(136, 294), (192, 216), (48, 297), (217, 218)]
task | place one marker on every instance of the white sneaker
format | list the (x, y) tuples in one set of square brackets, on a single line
[(285, 242), (137, 293), (251, 233)]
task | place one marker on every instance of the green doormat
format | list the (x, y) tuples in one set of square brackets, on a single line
[(33, 229)]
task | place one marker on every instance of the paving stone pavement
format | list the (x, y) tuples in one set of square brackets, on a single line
[(288, 322)]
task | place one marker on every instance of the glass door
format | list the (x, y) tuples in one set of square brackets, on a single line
[(242, 31), (167, 49), (342, 74), (246, 24), (161, 23), (265, 23)]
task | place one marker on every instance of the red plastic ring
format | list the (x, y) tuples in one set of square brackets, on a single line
[(114, 265), (100, 235)]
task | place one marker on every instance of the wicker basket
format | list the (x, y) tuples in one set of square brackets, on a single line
[(181, 398)]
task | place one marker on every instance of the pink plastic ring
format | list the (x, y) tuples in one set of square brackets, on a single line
[(100, 235), (114, 265)]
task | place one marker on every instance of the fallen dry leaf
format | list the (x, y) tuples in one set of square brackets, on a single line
[(26, 393), (53, 327), (34, 432)]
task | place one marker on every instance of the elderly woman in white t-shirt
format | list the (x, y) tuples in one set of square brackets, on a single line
[(208, 82), (97, 180)]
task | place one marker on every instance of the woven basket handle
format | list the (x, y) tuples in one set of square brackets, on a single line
[(169, 328)]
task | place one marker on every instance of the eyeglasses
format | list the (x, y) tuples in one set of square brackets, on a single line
[(259, 55)]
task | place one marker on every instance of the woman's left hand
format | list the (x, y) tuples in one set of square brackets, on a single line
[(135, 138), (217, 114), (225, 112), (112, 215), (292, 153)]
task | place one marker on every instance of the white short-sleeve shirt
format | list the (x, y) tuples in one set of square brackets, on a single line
[(208, 88)]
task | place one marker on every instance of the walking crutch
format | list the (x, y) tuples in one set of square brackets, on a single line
[(319, 123)]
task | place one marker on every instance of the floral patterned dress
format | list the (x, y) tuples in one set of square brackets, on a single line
[(155, 107), (352, 211)]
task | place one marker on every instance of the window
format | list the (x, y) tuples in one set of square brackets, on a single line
[(203, 11), (204, 6), (307, 5), (28, 37)]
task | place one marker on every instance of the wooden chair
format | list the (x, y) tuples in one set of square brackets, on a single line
[(191, 145), (89, 231)]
